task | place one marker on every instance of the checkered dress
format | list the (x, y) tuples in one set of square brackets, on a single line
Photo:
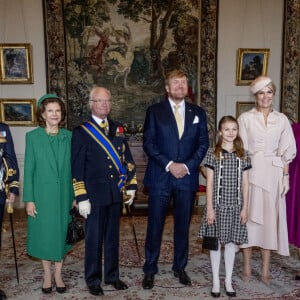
[(227, 198)]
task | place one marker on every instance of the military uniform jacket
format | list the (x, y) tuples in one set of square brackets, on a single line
[(95, 177), (9, 171)]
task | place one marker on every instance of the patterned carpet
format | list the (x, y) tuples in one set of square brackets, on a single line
[(283, 285)]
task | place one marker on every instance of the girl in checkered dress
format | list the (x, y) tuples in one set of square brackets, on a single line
[(225, 215)]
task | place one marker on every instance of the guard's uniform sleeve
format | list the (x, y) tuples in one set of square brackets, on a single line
[(11, 177), (78, 154), (131, 183)]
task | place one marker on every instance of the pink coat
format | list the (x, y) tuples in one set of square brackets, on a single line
[(270, 146)]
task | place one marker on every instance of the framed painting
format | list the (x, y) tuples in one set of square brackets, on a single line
[(16, 63), (123, 47), (18, 112), (243, 107), (251, 63)]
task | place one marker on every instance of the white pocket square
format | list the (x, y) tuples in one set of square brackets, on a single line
[(196, 120)]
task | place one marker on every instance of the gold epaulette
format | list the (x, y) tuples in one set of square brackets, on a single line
[(79, 188)]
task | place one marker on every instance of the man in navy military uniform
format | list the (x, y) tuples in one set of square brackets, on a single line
[(9, 175), (102, 166)]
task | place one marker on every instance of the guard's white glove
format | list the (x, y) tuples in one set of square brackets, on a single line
[(285, 185), (84, 208), (130, 193)]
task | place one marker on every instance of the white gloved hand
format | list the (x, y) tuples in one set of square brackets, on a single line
[(130, 193), (84, 208), (285, 185)]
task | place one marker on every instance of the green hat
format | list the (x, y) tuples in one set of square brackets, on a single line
[(46, 96)]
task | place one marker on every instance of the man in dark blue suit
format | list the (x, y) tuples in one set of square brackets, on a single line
[(9, 175), (176, 140), (102, 169)]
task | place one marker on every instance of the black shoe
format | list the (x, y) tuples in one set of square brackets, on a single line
[(215, 295), (297, 277), (118, 285), (2, 295), (229, 294), (148, 282), (95, 290), (183, 277), (61, 289), (47, 290)]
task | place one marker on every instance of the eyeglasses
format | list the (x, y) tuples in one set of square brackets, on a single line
[(100, 101)]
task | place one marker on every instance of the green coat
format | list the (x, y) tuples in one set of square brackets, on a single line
[(48, 183)]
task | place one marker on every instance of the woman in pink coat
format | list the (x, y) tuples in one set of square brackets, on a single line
[(268, 136)]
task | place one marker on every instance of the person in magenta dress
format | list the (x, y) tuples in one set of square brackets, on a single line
[(293, 197)]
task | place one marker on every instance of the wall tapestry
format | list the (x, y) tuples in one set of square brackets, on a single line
[(290, 85), (127, 46)]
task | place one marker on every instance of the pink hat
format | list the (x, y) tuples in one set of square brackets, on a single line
[(259, 83)]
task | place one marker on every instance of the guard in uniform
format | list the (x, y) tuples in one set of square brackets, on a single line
[(103, 170), (9, 175)]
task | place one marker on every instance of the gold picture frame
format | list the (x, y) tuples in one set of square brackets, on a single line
[(16, 63), (243, 106), (251, 63), (18, 112)]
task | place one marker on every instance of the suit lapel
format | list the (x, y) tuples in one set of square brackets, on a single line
[(168, 111), (189, 117), (112, 129)]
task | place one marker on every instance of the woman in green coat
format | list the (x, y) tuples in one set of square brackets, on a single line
[(48, 190)]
